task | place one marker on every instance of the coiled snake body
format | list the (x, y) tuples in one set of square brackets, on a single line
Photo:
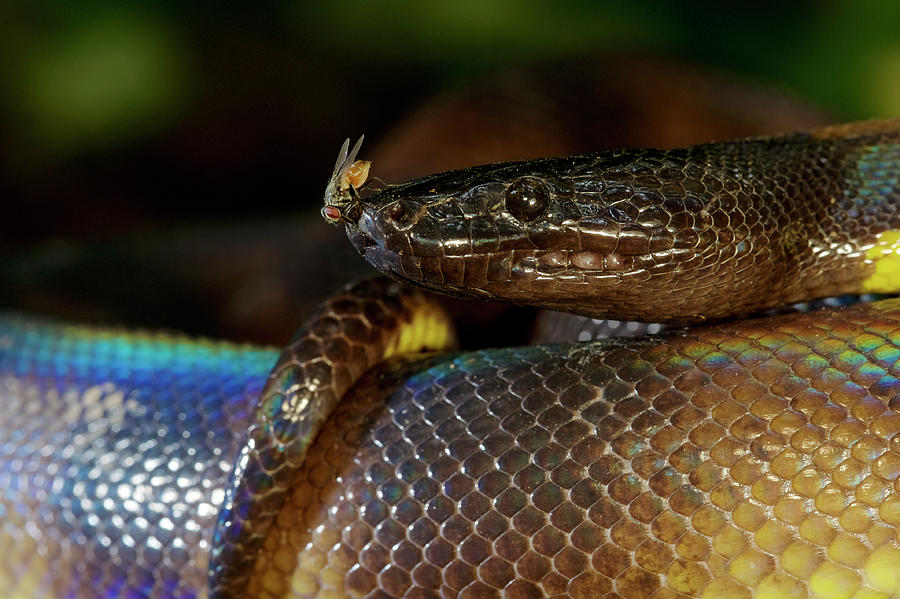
[(755, 458)]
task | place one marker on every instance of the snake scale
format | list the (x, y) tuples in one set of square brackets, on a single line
[(736, 459)]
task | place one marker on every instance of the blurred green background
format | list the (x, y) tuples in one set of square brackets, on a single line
[(119, 115), (158, 124)]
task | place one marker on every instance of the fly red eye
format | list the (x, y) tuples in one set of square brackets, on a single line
[(527, 198), (331, 213)]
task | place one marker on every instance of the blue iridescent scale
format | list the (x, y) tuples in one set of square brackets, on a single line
[(116, 446)]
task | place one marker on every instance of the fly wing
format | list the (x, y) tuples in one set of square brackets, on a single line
[(352, 157), (331, 189), (342, 157)]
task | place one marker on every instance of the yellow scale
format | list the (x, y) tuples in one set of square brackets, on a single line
[(885, 256)]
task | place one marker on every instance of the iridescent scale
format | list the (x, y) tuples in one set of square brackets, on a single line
[(115, 449)]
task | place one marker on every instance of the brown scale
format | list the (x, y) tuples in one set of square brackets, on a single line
[(346, 335), (758, 457)]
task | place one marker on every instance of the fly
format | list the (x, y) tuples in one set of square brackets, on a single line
[(349, 175)]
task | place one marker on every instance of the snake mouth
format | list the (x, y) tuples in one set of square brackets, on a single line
[(494, 272), (513, 275)]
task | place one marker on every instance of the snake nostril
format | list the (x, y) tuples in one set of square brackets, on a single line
[(401, 214)]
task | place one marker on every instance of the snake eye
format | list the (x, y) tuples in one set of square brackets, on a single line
[(527, 198)]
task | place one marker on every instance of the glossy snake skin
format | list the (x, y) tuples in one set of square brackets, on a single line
[(711, 231), (139, 465), (750, 459), (758, 458), (115, 451)]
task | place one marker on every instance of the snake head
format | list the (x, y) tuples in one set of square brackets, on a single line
[(621, 234), (707, 232)]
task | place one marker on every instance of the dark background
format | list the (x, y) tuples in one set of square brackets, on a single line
[(157, 123)]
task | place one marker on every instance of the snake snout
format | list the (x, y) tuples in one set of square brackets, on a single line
[(362, 234), (369, 241), (400, 215)]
